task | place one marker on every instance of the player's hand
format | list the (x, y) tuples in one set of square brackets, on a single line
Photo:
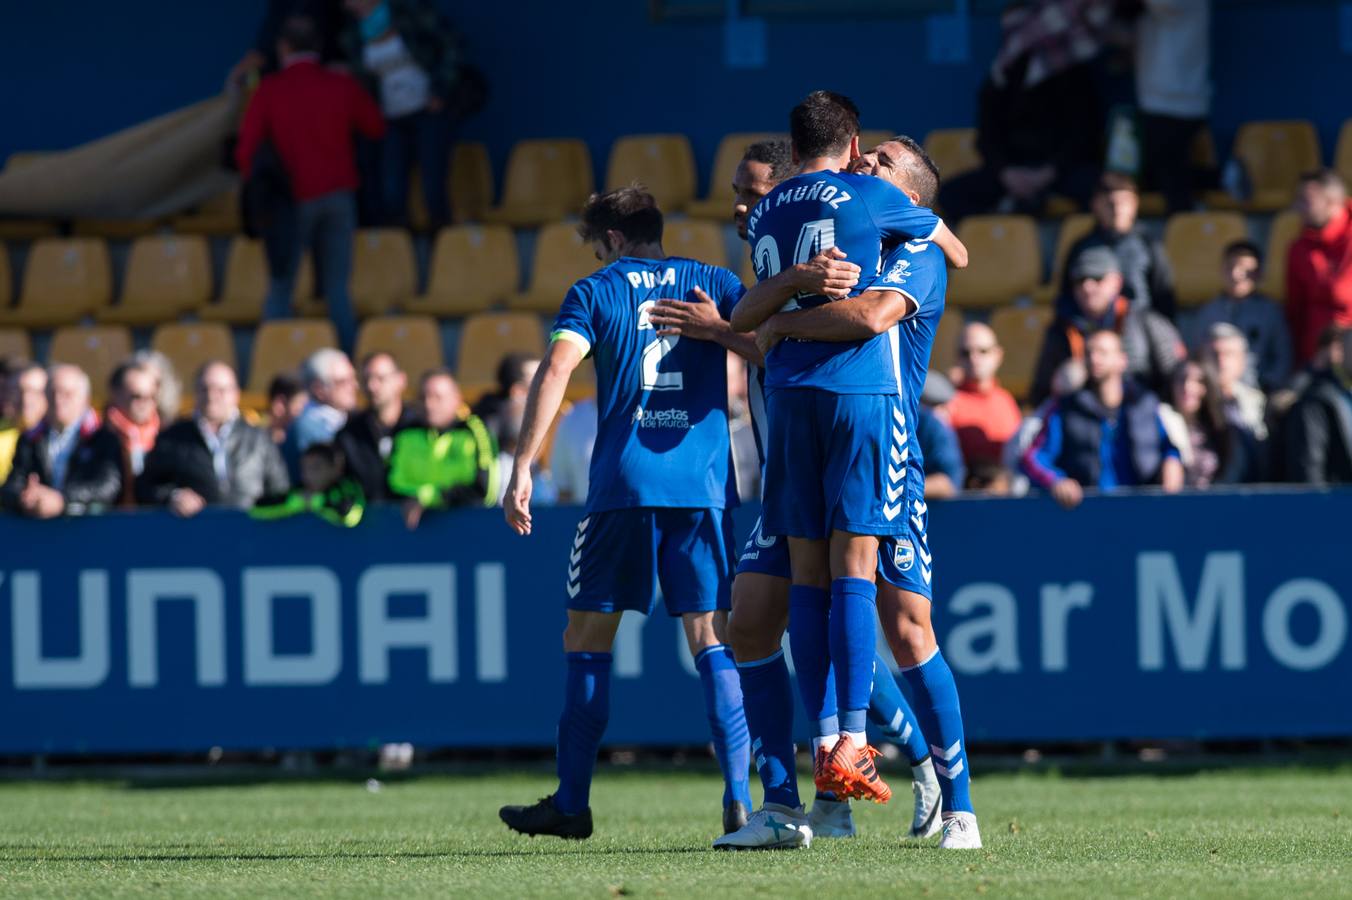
[(516, 503), (698, 319), (413, 512), (1068, 493), (827, 274), (768, 335), (186, 503)]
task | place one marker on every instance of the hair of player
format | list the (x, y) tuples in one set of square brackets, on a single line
[(1243, 247), (300, 34), (777, 154), (823, 125), (631, 211), (921, 172), (1326, 178)]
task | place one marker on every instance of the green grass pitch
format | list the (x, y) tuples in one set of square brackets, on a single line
[(1278, 832)]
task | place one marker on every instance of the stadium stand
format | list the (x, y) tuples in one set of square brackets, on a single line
[(64, 280), (217, 216), (953, 150), (717, 201), (472, 268), (561, 258), (469, 181), (1073, 227), (413, 341), (945, 354), (1274, 154), (245, 285), (696, 240), (384, 273), (165, 276), (1194, 243), (1282, 232), (191, 345), (1006, 261), (98, 349), (281, 346), (1020, 330), (663, 163), (485, 338), (15, 344), (25, 229), (546, 180), (1342, 154)]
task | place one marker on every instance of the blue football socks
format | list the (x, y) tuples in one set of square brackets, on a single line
[(586, 709), (853, 635), (768, 698), (936, 706), (888, 709), (809, 627), (727, 721)]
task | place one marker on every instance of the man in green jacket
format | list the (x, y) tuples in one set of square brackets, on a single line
[(442, 460)]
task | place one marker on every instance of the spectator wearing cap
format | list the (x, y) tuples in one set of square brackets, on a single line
[(214, 457), (1259, 318), (984, 414), (1318, 430), (23, 408), (1152, 344), (1147, 279), (331, 384), (1227, 353), (1319, 263), (287, 399), (133, 417), (68, 464), (1107, 435), (442, 460), (945, 473), (367, 439)]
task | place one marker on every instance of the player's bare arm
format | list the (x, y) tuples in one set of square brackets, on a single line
[(700, 319), (828, 274), (852, 319), (542, 405), (954, 249)]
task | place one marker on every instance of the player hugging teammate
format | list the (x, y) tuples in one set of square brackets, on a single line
[(851, 273)]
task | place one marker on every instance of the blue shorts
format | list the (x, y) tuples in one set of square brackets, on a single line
[(619, 556), (765, 555), (905, 562), (835, 462)]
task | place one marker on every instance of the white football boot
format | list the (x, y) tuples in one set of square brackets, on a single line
[(925, 785), (831, 819), (772, 827), (960, 832)]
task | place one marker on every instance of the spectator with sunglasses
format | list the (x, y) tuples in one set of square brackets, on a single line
[(982, 412)]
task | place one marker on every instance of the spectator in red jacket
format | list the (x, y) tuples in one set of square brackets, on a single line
[(1319, 267), (309, 116), (982, 412)]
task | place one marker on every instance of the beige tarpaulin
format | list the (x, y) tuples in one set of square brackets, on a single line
[(154, 169)]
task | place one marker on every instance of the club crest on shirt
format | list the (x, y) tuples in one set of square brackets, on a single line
[(898, 273), (903, 554)]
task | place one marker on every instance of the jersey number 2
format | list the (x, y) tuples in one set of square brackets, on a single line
[(814, 237), (653, 353)]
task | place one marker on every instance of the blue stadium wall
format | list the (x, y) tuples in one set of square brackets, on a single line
[(76, 69), (1202, 616)]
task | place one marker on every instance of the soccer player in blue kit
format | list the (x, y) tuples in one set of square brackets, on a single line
[(661, 489), (910, 290), (760, 592)]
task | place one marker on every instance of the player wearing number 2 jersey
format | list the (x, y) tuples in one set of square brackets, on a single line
[(660, 489)]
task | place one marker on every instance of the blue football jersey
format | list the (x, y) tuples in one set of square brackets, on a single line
[(918, 270), (662, 403), (806, 215)]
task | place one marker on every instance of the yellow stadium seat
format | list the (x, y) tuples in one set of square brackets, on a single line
[(98, 349), (953, 150), (872, 137), (413, 341), (1020, 330), (245, 285), (546, 180), (944, 355), (696, 240), (191, 345), (662, 163), (165, 276), (1285, 228), (473, 267), (1194, 243), (15, 344), (561, 258), (282, 345), (217, 215), (1073, 227), (717, 201), (485, 339), (1006, 261), (1275, 154), (384, 270), (64, 279), (471, 182)]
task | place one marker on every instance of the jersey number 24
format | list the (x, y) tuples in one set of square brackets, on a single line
[(814, 238)]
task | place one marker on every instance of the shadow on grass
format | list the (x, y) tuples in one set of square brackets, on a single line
[(179, 854)]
